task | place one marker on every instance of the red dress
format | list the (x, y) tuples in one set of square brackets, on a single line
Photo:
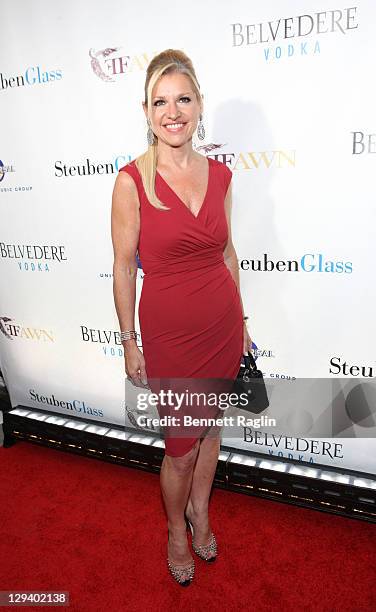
[(189, 310)]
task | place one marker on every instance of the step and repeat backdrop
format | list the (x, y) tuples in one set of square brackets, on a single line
[(289, 106)]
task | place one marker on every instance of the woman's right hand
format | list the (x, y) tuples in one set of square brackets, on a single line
[(134, 364)]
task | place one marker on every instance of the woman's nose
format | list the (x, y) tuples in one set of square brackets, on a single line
[(173, 110)]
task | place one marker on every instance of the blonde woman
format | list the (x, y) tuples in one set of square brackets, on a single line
[(173, 206)]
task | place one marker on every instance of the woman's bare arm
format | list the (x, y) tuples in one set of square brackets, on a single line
[(231, 261), (125, 230), (125, 223), (229, 253)]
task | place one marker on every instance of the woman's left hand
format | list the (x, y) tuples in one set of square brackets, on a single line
[(247, 342)]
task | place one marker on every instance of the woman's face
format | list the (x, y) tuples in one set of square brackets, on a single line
[(174, 109)]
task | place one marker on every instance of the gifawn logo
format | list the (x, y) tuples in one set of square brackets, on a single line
[(13, 330)]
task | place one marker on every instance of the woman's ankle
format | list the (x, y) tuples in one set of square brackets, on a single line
[(176, 528), (196, 512)]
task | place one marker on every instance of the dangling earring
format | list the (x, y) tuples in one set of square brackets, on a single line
[(201, 129), (150, 134)]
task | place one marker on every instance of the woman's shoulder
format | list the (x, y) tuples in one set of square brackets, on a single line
[(129, 170), (127, 178), (223, 169), (129, 166), (219, 164)]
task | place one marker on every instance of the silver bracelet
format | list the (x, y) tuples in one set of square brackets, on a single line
[(128, 334)]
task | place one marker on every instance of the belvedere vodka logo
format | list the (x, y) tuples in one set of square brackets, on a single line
[(289, 37), (363, 143), (107, 340), (33, 257)]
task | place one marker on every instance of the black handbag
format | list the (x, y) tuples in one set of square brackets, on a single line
[(250, 386)]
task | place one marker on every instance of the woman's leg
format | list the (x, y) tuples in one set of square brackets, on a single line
[(176, 479), (202, 480)]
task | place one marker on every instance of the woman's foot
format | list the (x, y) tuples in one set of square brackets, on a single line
[(179, 559), (203, 539)]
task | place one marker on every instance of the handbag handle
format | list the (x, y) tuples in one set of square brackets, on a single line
[(249, 361)]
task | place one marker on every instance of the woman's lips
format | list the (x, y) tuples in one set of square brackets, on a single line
[(175, 130)]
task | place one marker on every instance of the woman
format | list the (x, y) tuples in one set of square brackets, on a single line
[(173, 205)]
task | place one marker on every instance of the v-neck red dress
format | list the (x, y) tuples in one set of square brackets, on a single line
[(189, 310)]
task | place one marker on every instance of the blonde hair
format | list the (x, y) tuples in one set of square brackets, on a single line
[(166, 62)]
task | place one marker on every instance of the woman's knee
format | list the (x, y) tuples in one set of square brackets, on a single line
[(185, 463), (213, 440)]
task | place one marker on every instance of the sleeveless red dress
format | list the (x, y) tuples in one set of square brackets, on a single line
[(189, 310)]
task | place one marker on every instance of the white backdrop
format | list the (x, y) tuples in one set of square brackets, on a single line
[(293, 118)]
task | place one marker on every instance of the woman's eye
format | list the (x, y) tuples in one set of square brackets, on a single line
[(185, 98)]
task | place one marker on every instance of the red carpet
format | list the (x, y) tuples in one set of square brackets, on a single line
[(98, 531)]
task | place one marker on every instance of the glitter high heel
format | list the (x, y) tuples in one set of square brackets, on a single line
[(204, 550), (183, 574)]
